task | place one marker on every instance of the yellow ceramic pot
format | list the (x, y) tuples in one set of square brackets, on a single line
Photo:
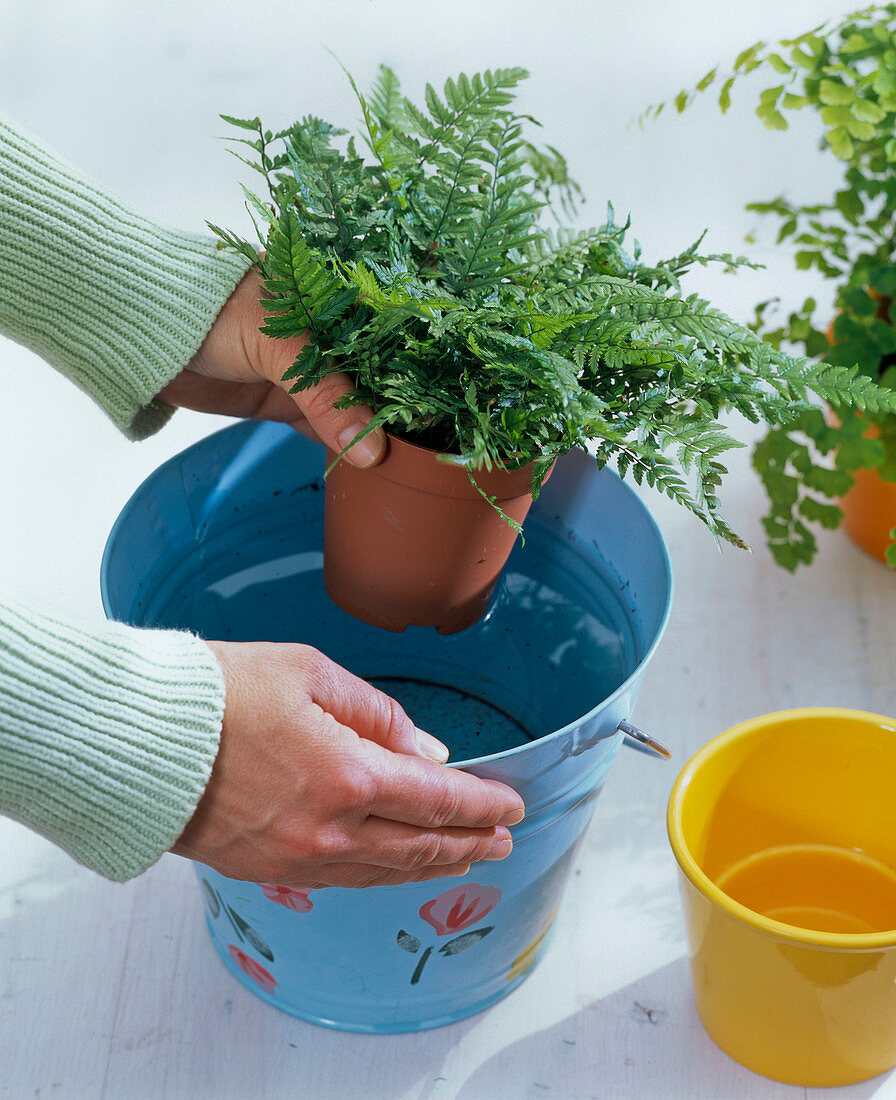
[(784, 829)]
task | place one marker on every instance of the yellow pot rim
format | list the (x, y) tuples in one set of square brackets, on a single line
[(840, 941)]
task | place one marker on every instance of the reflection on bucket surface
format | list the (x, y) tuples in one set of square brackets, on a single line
[(226, 540)]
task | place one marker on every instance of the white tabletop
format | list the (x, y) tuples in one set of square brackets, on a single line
[(113, 991)]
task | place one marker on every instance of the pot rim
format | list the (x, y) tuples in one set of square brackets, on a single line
[(688, 866), (405, 461)]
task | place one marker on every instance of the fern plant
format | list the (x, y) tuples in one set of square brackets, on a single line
[(844, 72), (424, 269)]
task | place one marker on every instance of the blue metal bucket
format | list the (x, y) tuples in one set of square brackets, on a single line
[(226, 540)]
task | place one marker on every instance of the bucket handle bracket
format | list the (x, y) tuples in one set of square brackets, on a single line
[(638, 739)]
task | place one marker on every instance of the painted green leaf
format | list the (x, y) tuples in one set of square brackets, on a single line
[(705, 82), (891, 550), (461, 943), (249, 933), (407, 942), (258, 943), (236, 923), (211, 897)]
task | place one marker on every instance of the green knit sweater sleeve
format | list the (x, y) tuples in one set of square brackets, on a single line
[(107, 734), (117, 304)]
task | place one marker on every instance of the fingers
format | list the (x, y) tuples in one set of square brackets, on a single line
[(417, 857), (300, 797), (360, 876), (235, 350), (337, 428), (371, 713), (393, 845), (417, 792)]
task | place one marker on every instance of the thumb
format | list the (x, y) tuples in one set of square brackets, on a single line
[(271, 358), (337, 428)]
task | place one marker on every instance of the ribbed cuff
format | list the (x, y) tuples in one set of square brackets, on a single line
[(108, 735), (114, 302)]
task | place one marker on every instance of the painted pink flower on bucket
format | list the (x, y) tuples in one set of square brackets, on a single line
[(254, 970), (451, 912), (460, 907), (297, 900)]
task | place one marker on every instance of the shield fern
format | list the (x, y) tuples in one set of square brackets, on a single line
[(423, 270)]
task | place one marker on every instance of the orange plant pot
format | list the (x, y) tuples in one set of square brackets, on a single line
[(869, 508), (869, 512), (411, 542)]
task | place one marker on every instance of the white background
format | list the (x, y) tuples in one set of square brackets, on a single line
[(112, 991), (131, 93)]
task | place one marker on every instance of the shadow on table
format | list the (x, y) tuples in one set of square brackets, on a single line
[(634, 1045), (116, 991), (109, 990)]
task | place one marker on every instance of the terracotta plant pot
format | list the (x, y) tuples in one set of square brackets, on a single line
[(869, 510), (412, 543)]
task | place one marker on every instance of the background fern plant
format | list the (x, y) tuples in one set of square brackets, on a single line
[(424, 270), (844, 72)]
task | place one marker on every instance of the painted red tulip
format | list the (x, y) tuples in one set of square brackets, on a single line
[(253, 969), (297, 900), (460, 907)]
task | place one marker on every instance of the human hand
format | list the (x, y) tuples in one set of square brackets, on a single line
[(238, 372), (321, 780)]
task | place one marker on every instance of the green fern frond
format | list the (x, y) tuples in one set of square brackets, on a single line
[(424, 270)]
